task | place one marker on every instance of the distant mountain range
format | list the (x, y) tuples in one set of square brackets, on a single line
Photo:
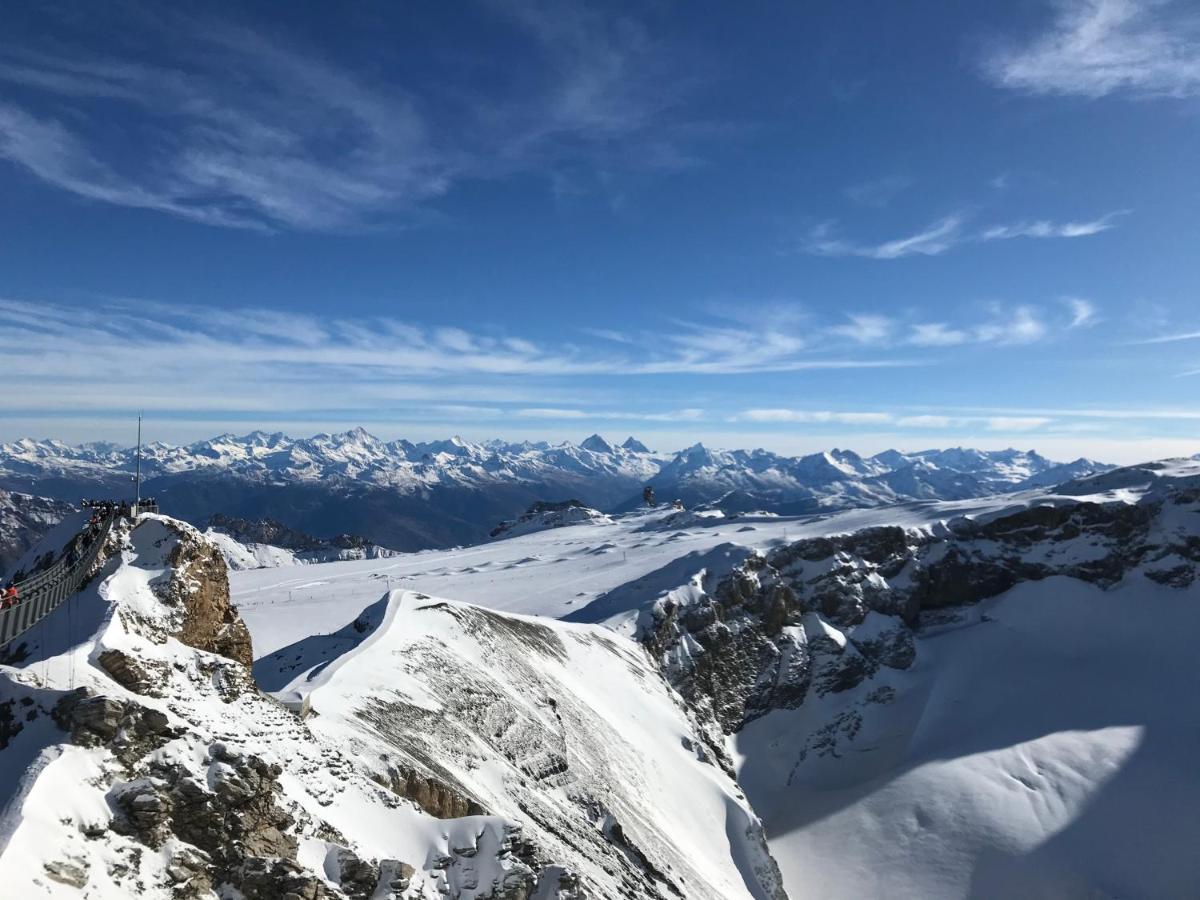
[(407, 496)]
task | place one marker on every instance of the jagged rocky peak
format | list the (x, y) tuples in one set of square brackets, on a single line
[(633, 445), (597, 444)]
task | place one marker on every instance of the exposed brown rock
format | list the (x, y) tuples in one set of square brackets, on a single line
[(429, 793), (200, 585)]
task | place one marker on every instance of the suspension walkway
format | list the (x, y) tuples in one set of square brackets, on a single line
[(43, 591)]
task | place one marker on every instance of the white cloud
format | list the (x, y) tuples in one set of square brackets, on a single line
[(803, 416), (102, 354), (865, 328), (1171, 338), (927, 421), (677, 415), (1083, 312), (1100, 47), (253, 130), (1019, 326), (1016, 423), (1047, 229), (937, 334), (947, 233), (939, 237), (546, 412)]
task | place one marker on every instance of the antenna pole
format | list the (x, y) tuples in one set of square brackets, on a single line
[(138, 479)]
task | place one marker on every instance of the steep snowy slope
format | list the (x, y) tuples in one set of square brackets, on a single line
[(569, 730), (1041, 746)]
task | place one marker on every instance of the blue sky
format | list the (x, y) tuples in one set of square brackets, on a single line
[(792, 226)]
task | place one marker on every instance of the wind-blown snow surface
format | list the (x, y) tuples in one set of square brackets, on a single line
[(1042, 745)]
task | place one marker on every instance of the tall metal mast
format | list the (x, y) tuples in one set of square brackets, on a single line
[(138, 478)]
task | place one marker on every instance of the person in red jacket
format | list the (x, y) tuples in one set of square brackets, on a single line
[(9, 597)]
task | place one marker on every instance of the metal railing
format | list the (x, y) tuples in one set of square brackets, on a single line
[(42, 592)]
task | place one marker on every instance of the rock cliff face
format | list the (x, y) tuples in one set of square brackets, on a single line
[(824, 614), (199, 586)]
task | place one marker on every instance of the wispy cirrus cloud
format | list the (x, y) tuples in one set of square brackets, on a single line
[(934, 240), (865, 328), (135, 352), (806, 416), (1046, 229), (1093, 48), (947, 233), (555, 413), (241, 128), (1083, 312), (1003, 326), (901, 420)]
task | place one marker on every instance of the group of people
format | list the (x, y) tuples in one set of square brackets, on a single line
[(105, 508)]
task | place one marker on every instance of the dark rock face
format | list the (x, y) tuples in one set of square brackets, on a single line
[(824, 614), (269, 531), (238, 834), (437, 797), (139, 676), (128, 729)]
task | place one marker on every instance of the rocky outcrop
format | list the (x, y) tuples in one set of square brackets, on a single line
[(433, 794), (822, 615), (198, 588), (545, 514), (128, 729)]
